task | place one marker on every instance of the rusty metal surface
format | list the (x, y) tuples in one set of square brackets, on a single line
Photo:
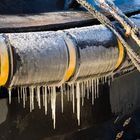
[(53, 20)]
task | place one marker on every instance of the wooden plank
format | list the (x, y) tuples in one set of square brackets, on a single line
[(55, 20)]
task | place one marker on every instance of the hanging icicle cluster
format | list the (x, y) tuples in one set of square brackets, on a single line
[(74, 60), (75, 92)]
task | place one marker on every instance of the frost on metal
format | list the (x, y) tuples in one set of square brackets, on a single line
[(42, 59)]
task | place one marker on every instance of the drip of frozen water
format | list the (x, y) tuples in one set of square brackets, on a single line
[(82, 93), (38, 97), (68, 92), (31, 98), (46, 101), (97, 82), (78, 101), (24, 97), (87, 90), (18, 90), (62, 99), (43, 96), (9, 92), (95, 89), (71, 92), (21, 93), (53, 105), (90, 86), (92, 92), (73, 98), (83, 89)]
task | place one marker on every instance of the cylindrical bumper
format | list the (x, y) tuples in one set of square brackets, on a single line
[(6, 61), (63, 56)]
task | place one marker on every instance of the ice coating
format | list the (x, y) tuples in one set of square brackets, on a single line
[(43, 57), (39, 56), (78, 102), (77, 93), (96, 63), (98, 55)]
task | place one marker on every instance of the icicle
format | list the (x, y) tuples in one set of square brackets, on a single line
[(78, 101), (87, 89), (46, 108), (97, 88), (51, 91), (43, 96), (31, 98), (93, 92), (82, 93), (21, 93), (53, 105), (109, 81), (71, 92), (24, 90), (68, 93), (18, 90), (84, 89), (62, 99), (73, 98), (38, 97), (26, 95), (9, 91)]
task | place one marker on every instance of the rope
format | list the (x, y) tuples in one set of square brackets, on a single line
[(105, 21)]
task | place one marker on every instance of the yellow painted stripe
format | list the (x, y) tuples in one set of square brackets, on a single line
[(72, 59), (121, 55), (4, 64)]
